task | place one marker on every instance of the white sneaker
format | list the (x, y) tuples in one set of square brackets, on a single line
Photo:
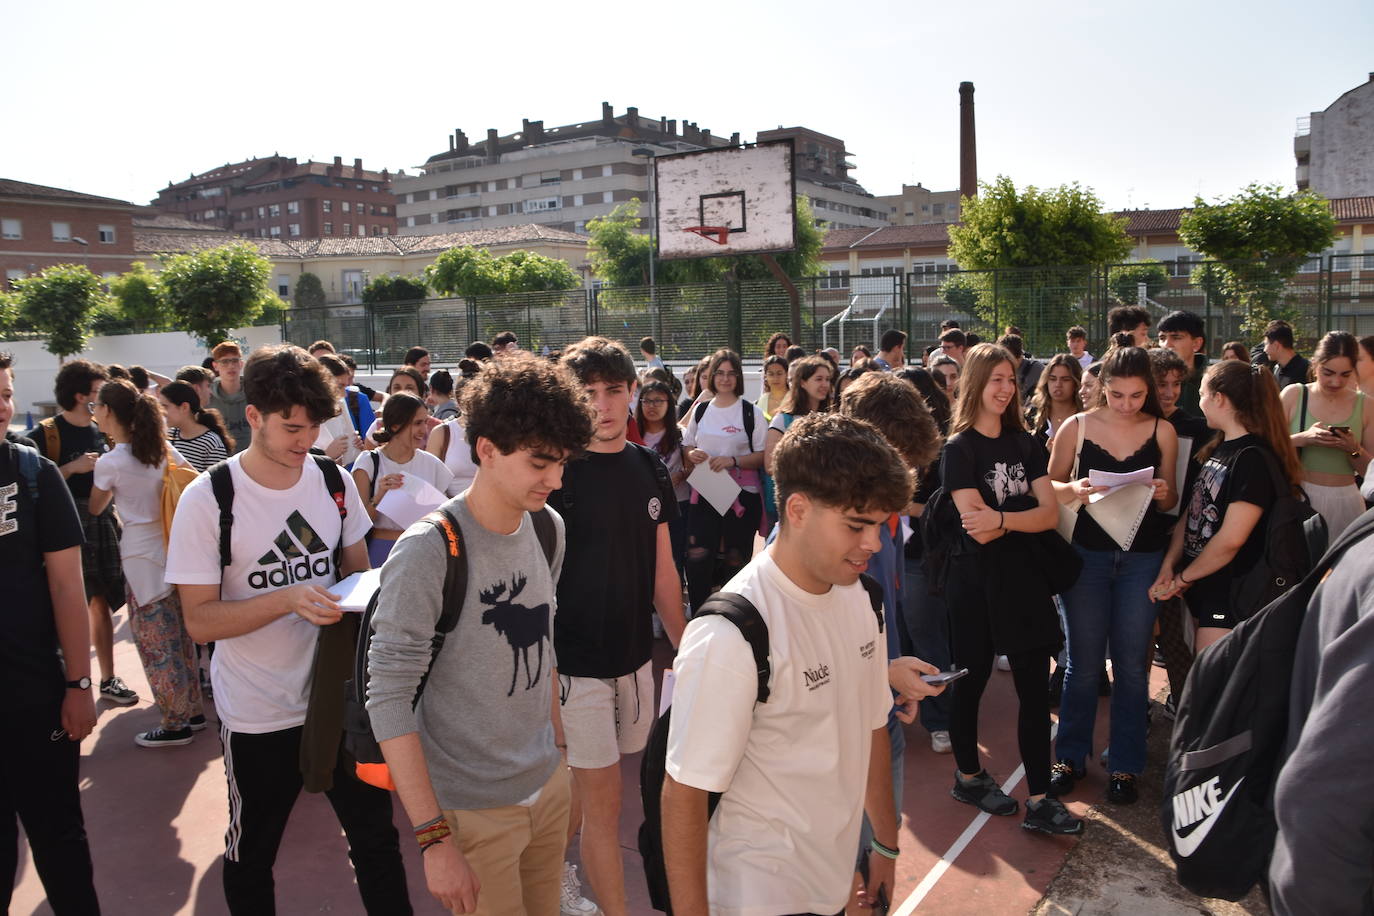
[(1003, 664), (572, 903), (939, 742)]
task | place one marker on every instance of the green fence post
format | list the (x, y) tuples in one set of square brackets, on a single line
[(734, 316)]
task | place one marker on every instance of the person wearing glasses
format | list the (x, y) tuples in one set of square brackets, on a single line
[(726, 432), (226, 393), (953, 343)]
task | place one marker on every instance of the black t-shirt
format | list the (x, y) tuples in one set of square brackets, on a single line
[(1236, 472), (30, 673), (612, 506), (74, 441), (1002, 470), (1190, 426), (1295, 373), (1153, 533)]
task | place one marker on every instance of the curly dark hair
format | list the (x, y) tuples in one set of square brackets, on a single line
[(598, 359), (526, 402), (842, 462), (278, 379), (76, 377), (899, 412)]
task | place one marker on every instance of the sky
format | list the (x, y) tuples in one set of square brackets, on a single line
[(1149, 105)]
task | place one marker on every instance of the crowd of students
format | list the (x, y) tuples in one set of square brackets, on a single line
[(930, 493)]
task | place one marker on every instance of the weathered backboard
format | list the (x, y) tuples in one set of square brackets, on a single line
[(748, 190)]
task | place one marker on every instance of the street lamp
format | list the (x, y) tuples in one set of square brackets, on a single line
[(647, 154)]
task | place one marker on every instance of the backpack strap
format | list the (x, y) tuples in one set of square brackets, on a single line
[(746, 412), (52, 439), (546, 532), (700, 410), (333, 479), (376, 469), (658, 467), (222, 484), (28, 460), (741, 612), (875, 597)]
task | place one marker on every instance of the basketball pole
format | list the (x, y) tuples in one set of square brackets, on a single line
[(794, 298)]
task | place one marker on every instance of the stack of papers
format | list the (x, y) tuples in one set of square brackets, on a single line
[(356, 591), (1117, 481), (413, 501)]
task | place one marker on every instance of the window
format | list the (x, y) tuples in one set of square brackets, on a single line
[(433, 218), (382, 210), (577, 174), (61, 232), (347, 207), (410, 222), (360, 207), (274, 232), (547, 178), (12, 275), (491, 186), (605, 171), (434, 194), (11, 229), (542, 204), (512, 184), (386, 230), (208, 214), (834, 279), (491, 211), (283, 285), (410, 198), (262, 212), (607, 196), (577, 200), (328, 206), (362, 231), (293, 206), (348, 229), (328, 228), (106, 234), (939, 210), (273, 210), (294, 229)]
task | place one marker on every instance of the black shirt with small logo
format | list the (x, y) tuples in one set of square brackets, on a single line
[(612, 506), (74, 441)]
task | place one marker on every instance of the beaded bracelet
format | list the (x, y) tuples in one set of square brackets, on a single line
[(431, 832), (884, 851)]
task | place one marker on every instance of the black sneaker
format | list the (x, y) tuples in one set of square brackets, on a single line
[(1121, 790), (1158, 661), (161, 737), (196, 723), (983, 792), (1056, 687), (1063, 777), (1050, 816), (116, 691), (1104, 684), (1171, 707)]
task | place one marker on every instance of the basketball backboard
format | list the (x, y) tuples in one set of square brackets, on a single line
[(732, 200)]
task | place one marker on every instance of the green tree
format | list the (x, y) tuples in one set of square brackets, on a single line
[(309, 291), (137, 294), (464, 271), (528, 272), (9, 311), (1123, 281), (60, 303), (212, 292), (395, 289), (1037, 246), (1261, 237)]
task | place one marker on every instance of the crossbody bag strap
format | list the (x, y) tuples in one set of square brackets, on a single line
[(1082, 424)]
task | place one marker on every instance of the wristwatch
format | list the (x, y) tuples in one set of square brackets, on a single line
[(82, 684)]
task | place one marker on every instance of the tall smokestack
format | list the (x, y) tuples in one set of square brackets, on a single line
[(968, 145)]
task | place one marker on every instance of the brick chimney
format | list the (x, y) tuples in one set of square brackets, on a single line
[(632, 117), (968, 146), (533, 131), (460, 140), (493, 155), (734, 139), (607, 113), (357, 167), (336, 169)]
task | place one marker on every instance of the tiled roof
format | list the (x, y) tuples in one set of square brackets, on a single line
[(11, 188), (1353, 208), (1140, 222), (345, 171), (887, 237), (173, 223), (155, 241)]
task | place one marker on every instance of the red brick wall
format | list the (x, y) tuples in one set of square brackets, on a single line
[(37, 250)]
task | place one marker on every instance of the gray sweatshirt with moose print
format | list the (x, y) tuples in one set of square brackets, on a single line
[(484, 717)]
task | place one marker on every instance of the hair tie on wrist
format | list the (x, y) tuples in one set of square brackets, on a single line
[(887, 852), (1183, 580)]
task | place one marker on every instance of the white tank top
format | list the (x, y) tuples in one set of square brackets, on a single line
[(458, 456)]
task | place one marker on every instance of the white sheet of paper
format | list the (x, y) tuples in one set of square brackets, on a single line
[(716, 487), (331, 429), (413, 501), (666, 698), (355, 591), (1117, 481)]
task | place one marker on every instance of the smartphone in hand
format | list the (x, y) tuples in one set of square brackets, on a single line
[(944, 677)]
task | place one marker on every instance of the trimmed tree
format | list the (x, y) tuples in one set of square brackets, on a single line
[(1123, 281), (395, 289), (214, 291), (469, 271), (1261, 237), (309, 291), (138, 295), (60, 303)]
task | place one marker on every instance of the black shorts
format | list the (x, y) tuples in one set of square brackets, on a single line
[(100, 564), (1209, 601)]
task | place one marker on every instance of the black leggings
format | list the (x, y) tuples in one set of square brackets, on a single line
[(973, 649), (706, 529)]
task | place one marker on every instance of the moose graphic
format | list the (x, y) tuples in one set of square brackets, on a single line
[(522, 626)]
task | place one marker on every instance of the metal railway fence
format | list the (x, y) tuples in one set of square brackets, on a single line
[(1335, 292)]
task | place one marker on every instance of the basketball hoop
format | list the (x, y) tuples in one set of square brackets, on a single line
[(718, 234)]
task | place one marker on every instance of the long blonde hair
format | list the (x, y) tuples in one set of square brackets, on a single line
[(979, 363)]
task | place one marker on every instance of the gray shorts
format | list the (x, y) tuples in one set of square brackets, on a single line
[(604, 718)]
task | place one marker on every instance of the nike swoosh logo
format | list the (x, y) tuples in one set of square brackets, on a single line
[(1187, 845)]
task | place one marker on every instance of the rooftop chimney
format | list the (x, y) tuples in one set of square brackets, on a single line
[(968, 146), (632, 117), (607, 112), (460, 141), (734, 139), (492, 154), (357, 167)]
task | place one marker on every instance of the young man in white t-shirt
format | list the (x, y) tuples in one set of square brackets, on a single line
[(272, 616), (799, 771)]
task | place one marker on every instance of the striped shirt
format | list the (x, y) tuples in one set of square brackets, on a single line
[(202, 451)]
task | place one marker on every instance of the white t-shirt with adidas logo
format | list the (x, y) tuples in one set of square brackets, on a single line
[(280, 538)]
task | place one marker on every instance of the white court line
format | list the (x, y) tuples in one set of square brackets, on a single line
[(937, 871)]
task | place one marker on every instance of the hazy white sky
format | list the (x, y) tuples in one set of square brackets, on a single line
[(1148, 104)]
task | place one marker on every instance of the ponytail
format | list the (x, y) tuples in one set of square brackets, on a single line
[(212, 420), (182, 393), (1254, 395), (141, 417)]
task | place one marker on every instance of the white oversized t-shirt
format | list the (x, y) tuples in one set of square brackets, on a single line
[(794, 769), (720, 433), (137, 489), (279, 538), (422, 466)]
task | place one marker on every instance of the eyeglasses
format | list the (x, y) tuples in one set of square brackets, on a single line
[(654, 402), (228, 361), (725, 374)]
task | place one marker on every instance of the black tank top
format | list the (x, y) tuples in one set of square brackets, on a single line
[(1154, 529)]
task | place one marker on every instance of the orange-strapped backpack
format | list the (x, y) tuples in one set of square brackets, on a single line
[(175, 478), (358, 738)]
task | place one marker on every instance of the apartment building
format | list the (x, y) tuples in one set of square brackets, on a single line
[(1334, 148), (918, 205), (559, 177), (279, 197), (41, 226), (823, 165)]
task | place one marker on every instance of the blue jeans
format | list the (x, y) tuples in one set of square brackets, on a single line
[(927, 622), (1109, 605)]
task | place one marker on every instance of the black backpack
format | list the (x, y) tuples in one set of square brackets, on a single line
[(742, 613), (222, 484), (358, 737), (1295, 536), (940, 533), (1228, 742), (747, 410)]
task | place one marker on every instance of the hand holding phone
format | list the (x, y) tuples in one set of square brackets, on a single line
[(944, 677)]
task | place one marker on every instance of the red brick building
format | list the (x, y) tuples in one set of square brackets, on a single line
[(42, 226), (278, 197)]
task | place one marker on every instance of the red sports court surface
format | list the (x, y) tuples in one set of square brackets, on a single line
[(156, 821)]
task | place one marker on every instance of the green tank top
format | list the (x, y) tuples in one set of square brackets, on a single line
[(1328, 460)]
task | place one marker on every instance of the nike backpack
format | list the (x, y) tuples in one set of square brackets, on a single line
[(1228, 741), (741, 612)]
